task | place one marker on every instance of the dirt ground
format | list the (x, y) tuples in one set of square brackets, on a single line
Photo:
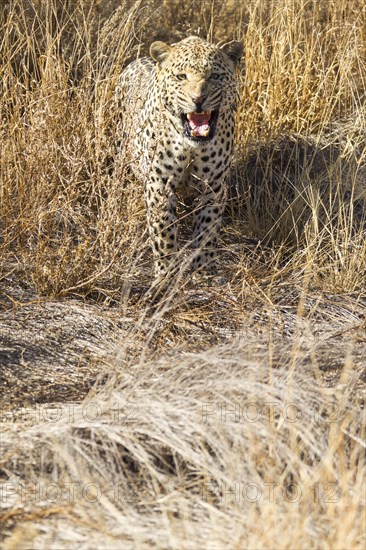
[(55, 351)]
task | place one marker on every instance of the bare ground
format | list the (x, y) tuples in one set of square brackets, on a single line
[(55, 351)]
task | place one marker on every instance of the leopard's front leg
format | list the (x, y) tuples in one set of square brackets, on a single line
[(206, 228), (162, 223)]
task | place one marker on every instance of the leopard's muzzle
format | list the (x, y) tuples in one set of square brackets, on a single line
[(200, 126)]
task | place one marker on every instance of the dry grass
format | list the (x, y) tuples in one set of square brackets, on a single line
[(251, 456), (149, 454)]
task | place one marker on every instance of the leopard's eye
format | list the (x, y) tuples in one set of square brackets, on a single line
[(215, 76), (181, 76)]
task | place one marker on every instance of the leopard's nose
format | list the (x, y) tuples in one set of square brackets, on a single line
[(198, 99)]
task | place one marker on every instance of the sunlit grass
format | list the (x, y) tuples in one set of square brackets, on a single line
[(72, 225)]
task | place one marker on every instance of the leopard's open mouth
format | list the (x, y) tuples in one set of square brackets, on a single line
[(200, 126)]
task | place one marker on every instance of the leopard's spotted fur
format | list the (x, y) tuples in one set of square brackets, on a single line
[(175, 148)]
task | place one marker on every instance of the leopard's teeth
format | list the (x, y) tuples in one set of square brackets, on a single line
[(191, 115), (203, 133)]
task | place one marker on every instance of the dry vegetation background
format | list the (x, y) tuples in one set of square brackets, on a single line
[(222, 416)]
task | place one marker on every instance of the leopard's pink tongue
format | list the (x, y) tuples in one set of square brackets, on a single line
[(199, 123)]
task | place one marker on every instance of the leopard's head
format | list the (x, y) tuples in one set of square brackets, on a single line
[(197, 82)]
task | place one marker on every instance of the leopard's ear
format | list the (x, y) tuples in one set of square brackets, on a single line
[(159, 51), (234, 50)]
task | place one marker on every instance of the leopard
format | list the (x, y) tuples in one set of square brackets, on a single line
[(178, 109)]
